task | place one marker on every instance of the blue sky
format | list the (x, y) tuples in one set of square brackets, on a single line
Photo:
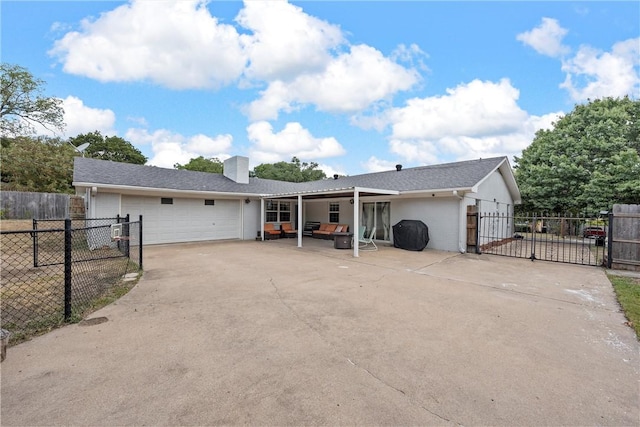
[(355, 86)]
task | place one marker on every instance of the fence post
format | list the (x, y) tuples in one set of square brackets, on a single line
[(610, 240), (67, 269), (35, 242), (478, 232), (140, 243), (126, 232), (534, 229)]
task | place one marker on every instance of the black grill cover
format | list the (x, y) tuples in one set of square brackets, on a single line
[(412, 235)]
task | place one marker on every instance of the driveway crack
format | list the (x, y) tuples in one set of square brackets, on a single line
[(386, 384), (335, 350), (297, 316)]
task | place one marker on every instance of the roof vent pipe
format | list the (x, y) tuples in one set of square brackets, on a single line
[(398, 168), (335, 176)]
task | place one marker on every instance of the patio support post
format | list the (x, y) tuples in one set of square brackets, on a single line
[(356, 223), (462, 223), (262, 218), (299, 225)]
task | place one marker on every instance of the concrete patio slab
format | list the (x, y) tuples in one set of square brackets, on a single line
[(265, 333)]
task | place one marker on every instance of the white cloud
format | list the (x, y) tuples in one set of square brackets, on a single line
[(170, 148), (350, 83), (373, 164), (293, 140), (174, 43), (330, 171), (593, 74), (82, 119), (415, 151), (140, 121), (590, 73), (285, 41), (296, 58), (546, 38), (478, 119), (475, 108), (412, 55)]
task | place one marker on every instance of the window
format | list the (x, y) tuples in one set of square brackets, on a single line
[(278, 211), (334, 212), (166, 201), (285, 211), (209, 202)]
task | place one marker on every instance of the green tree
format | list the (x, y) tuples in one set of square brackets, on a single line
[(587, 162), (200, 164), (293, 171), (39, 164), (111, 148), (23, 105)]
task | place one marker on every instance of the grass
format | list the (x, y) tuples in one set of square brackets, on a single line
[(16, 224), (628, 292), (113, 294), (53, 321), (32, 294)]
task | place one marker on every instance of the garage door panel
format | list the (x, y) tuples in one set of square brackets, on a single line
[(186, 220)]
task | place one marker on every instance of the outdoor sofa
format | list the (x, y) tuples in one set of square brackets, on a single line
[(326, 231)]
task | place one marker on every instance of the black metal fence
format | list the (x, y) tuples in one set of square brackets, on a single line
[(60, 267), (559, 238)]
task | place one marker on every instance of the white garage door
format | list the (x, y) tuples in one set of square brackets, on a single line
[(184, 220)]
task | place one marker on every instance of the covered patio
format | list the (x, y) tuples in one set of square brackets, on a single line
[(355, 195)]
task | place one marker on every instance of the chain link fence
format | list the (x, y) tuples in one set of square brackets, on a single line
[(61, 267)]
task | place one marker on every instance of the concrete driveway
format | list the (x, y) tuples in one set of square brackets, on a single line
[(264, 333)]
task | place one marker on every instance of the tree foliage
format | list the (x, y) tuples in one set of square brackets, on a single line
[(587, 162), (37, 164), (293, 171), (201, 164), (23, 105), (111, 148)]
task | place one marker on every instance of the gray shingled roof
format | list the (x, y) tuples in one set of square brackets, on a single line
[(456, 175), (92, 171), (435, 177)]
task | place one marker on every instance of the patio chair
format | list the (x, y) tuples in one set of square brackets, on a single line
[(366, 243), (288, 230), (270, 232)]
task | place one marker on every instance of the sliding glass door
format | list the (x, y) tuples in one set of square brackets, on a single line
[(378, 215)]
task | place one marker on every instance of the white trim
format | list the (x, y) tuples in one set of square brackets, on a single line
[(509, 179), (441, 191), (151, 191), (334, 191)]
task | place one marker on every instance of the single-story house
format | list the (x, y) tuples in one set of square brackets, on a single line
[(187, 206)]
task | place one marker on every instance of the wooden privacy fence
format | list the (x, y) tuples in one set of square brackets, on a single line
[(624, 237), (24, 205)]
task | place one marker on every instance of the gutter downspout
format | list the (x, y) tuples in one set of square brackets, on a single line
[(462, 226)]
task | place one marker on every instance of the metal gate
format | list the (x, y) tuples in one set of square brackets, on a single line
[(567, 239)]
